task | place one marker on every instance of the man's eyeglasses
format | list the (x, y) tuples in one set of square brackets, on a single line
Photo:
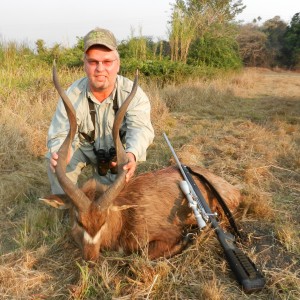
[(107, 63)]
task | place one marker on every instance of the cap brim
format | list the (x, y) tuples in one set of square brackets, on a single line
[(89, 45)]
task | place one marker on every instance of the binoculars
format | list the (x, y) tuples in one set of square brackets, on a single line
[(104, 158)]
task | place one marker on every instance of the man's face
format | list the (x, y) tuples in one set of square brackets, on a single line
[(101, 66)]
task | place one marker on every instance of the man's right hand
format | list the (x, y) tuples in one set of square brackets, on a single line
[(53, 161), (54, 158)]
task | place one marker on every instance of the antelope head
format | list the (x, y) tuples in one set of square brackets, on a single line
[(90, 212)]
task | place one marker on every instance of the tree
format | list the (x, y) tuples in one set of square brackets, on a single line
[(274, 29), (183, 31), (193, 19), (40, 47), (291, 39), (217, 48), (252, 45)]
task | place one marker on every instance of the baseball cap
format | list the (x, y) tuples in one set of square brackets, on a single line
[(100, 36)]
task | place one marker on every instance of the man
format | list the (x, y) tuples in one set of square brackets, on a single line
[(102, 91)]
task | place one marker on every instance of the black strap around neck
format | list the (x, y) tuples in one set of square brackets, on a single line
[(93, 117), (91, 138)]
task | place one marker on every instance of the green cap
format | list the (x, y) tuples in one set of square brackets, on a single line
[(100, 36)]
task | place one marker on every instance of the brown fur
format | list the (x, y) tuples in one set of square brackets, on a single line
[(150, 214)]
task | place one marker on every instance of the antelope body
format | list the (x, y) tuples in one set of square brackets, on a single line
[(148, 214)]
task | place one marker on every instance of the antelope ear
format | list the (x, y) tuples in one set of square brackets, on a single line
[(57, 201), (121, 207)]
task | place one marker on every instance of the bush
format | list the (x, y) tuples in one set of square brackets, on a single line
[(164, 71)]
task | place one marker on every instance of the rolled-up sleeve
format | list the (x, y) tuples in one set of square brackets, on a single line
[(139, 130)]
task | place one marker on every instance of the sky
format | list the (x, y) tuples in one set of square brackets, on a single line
[(61, 21)]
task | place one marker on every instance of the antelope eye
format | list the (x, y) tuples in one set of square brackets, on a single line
[(77, 219), (79, 223)]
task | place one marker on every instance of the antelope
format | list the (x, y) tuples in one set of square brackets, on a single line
[(149, 214)]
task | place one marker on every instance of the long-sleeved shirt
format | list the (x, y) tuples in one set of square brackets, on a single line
[(137, 123)]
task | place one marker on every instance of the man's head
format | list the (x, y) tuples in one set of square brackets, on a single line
[(101, 60)]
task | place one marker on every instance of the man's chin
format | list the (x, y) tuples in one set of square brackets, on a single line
[(101, 84)]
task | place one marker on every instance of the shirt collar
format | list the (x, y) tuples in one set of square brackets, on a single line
[(109, 99)]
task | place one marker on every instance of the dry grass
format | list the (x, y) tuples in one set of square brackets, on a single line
[(244, 127)]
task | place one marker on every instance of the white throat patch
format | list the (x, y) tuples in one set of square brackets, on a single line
[(95, 239)]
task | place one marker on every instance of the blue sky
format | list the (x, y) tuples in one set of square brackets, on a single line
[(60, 21)]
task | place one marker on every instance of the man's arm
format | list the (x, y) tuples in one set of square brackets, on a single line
[(59, 126), (58, 129), (139, 130)]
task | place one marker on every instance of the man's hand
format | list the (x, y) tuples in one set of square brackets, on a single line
[(130, 166), (54, 158), (53, 161)]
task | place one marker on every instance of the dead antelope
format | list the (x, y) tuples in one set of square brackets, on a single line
[(149, 213)]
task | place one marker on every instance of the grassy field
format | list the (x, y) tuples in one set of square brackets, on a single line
[(244, 127)]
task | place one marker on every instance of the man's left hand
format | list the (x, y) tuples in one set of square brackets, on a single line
[(130, 166)]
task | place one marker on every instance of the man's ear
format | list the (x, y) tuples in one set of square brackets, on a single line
[(57, 201)]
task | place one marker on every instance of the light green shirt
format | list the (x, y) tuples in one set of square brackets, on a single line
[(137, 123)]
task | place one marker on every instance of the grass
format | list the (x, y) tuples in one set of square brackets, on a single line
[(244, 127)]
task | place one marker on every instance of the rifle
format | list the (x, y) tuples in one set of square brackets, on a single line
[(243, 268)]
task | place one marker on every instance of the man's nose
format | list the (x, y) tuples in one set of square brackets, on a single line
[(100, 66)]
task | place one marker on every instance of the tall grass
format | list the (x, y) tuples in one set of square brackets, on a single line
[(243, 127)]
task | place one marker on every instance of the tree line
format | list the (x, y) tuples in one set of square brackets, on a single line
[(272, 44), (205, 32), (203, 35)]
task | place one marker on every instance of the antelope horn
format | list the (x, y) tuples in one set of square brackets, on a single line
[(113, 191), (78, 198)]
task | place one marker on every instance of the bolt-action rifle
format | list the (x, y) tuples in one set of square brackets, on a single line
[(243, 268)]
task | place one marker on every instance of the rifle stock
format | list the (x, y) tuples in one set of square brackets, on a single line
[(241, 265)]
